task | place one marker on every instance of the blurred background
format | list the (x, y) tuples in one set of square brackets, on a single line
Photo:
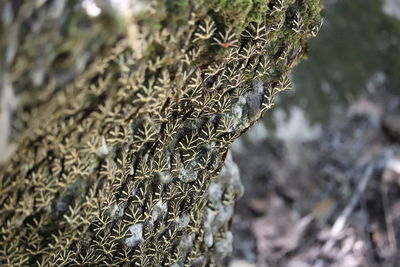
[(322, 171)]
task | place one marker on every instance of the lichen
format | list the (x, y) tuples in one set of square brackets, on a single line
[(136, 235)]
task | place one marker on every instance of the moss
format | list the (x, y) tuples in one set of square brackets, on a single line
[(259, 8), (239, 13), (177, 12), (312, 11)]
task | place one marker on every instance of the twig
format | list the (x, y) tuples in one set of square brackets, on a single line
[(342, 219), (388, 220)]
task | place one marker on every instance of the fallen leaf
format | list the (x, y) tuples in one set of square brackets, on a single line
[(323, 208)]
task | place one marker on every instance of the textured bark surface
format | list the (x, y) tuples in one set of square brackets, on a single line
[(123, 167)]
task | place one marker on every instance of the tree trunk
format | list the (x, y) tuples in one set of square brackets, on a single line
[(122, 166)]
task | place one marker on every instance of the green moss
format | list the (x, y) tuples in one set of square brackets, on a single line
[(177, 13), (239, 13), (259, 8), (312, 11)]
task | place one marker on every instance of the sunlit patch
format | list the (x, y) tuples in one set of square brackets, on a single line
[(91, 8)]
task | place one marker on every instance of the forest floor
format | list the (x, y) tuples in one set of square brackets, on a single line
[(330, 201)]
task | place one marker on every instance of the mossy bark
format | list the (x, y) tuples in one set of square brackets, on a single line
[(123, 167)]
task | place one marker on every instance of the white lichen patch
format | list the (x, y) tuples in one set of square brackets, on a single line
[(136, 235), (208, 227), (183, 220), (103, 149), (220, 212), (247, 107), (254, 99), (189, 173), (215, 192), (116, 211), (258, 87), (208, 238), (237, 114), (164, 177), (158, 209), (224, 215), (230, 175), (186, 242), (224, 245)]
